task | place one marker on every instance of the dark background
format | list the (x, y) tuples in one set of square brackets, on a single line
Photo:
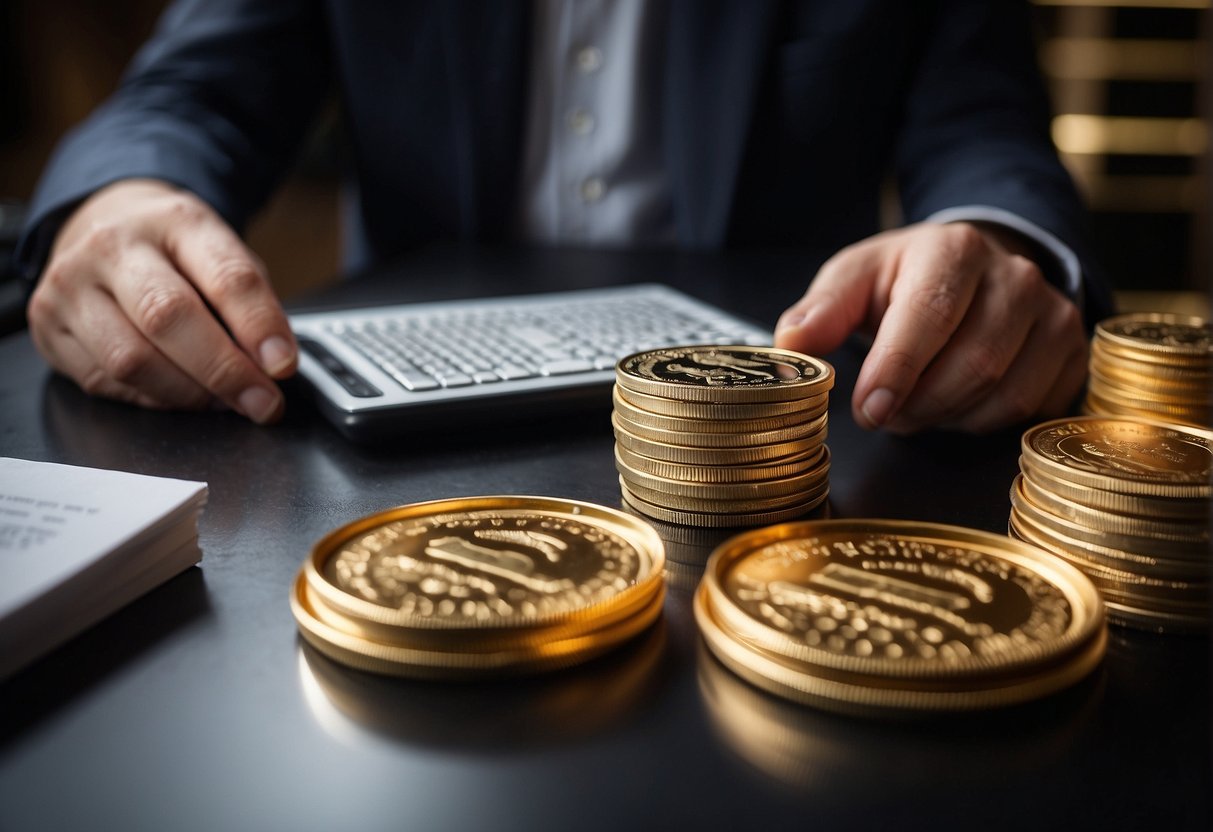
[(1148, 184)]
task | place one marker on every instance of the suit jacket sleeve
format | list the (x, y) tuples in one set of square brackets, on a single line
[(976, 131), (216, 102)]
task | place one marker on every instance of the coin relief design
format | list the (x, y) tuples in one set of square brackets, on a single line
[(883, 597), (721, 367), (1163, 331), (1123, 448), (481, 566)]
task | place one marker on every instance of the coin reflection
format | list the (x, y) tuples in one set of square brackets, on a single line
[(527, 712), (802, 747)]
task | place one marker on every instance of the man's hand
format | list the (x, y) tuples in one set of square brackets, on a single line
[(967, 333), (150, 297)]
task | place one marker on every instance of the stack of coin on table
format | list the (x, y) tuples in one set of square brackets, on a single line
[(1152, 365), (1127, 501), (722, 436), (879, 616), (479, 586)]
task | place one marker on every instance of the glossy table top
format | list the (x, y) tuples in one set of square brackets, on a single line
[(197, 707)]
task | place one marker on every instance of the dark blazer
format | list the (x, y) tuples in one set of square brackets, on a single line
[(783, 120)]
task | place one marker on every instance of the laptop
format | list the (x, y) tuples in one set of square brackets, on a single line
[(382, 371)]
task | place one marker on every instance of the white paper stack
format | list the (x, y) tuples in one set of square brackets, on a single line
[(78, 543)]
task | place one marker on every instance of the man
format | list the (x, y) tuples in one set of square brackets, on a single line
[(751, 122)]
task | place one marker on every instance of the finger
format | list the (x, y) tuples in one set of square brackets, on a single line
[(123, 355), (1045, 379), (103, 358), (74, 360), (936, 281), (837, 302), (169, 313), (233, 281), (982, 349)]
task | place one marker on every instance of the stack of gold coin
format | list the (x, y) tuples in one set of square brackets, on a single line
[(466, 588), (1152, 365), (881, 615), (1127, 501), (722, 436)]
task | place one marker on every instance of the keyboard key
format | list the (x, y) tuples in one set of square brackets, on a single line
[(565, 366)]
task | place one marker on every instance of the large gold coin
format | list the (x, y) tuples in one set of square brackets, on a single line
[(1129, 456), (479, 585), (485, 562), (725, 374), (858, 695), (359, 652), (919, 603)]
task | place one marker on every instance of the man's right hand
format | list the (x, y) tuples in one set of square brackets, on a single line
[(150, 297)]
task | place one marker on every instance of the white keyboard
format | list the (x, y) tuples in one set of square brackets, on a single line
[(379, 370)]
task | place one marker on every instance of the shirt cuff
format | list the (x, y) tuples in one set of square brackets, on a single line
[(1068, 260)]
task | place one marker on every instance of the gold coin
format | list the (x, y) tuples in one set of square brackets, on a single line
[(1130, 456), (636, 416), (783, 467), (1153, 333), (1072, 549), (1128, 392), (1119, 379), (485, 563), (1141, 408), (754, 490), (1137, 505), (1153, 365), (897, 600), (814, 430), (684, 455), (1153, 551), (391, 659), (726, 505), (796, 410), (725, 374), (1107, 521), (728, 520), (851, 694)]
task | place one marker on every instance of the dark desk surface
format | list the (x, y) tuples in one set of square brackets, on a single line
[(196, 707)]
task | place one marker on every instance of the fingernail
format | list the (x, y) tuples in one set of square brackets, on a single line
[(276, 354), (258, 404), (791, 321), (878, 406)]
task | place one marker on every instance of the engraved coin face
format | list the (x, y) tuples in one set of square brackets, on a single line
[(725, 373), (892, 599), (486, 566), (1183, 334), (1117, 453)]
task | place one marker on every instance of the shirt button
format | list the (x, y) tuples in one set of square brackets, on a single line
[(593, 189), (589, 59), (581, 122)]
